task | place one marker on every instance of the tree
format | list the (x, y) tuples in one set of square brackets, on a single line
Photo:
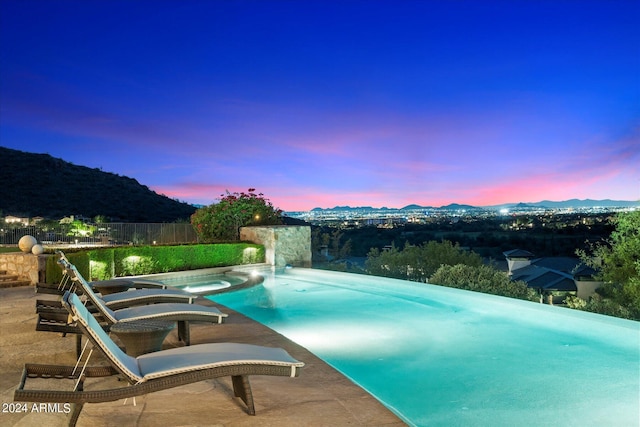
[(332, 241), (417, 263), (100, 219), (222, 221), (617, 261), (336, 236), (482, 278), (78, 228), (345, 250)]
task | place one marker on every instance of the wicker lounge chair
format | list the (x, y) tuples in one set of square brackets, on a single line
[(122, 283), (155, 371), (53, 317), (128, 297), (180, 312)]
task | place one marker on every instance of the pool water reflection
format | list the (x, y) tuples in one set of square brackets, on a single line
[(446, 357)]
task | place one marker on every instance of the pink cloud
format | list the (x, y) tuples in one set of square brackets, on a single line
[(305, 157)]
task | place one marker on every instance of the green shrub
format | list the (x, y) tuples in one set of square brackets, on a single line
[(418, 263), (222, 221), (106, 263), (79, 259), (617, 261), (482, 278)]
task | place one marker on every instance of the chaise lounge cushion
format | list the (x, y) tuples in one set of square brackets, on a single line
[(131, 297), (178, 360), (125, 363), (205, 356), (165, 311)]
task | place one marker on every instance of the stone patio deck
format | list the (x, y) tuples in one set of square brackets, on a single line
[(321, 396)]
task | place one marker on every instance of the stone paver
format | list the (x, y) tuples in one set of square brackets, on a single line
[(320, 396)]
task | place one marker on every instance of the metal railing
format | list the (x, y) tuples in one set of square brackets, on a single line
[(102, 234)]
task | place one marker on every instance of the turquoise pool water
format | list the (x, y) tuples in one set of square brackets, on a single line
[(445, 357), (198, 281)]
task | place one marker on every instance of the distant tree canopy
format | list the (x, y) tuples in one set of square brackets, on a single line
[(484, 279), (418, 263), (444, 263), (332, 241), (618, 262), (222, 221)]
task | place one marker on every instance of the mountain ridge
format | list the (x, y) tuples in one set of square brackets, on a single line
[(42, 185)]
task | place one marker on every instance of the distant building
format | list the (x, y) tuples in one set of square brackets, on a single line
[(16, 220), (67, 219), (554, 278)]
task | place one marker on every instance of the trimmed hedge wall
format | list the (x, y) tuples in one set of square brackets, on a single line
[(107, 263)]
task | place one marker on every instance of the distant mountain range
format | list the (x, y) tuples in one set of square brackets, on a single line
[(578, 203), (565, 204)]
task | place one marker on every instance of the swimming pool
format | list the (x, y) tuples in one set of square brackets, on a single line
[(445, 357), (200, 284), (204, 281)]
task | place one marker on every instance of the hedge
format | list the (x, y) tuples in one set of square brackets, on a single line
[(107, 263)]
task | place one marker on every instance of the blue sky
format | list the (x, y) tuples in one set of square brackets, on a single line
[(318, 104)]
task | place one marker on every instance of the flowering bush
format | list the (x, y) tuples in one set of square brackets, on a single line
[(222, 220)]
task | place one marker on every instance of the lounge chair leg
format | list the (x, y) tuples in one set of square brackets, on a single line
[(78, 345), (183, 332), (242, 389), (76, 408)]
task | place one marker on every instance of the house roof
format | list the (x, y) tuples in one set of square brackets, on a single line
[(518, 253), (564, 264), (543, 278), (584, 272), (552, 281)]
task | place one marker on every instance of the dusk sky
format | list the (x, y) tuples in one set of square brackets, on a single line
[(325, 103)]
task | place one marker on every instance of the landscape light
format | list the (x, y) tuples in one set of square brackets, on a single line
[(249, 255), (97, 270)]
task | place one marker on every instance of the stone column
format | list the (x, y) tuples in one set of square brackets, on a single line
[(283, 244)]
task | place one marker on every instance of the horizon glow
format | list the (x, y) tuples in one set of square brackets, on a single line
[(319, 104)]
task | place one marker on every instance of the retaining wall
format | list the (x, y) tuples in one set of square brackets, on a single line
[(26, 266)]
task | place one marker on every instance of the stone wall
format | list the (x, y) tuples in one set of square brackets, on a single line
[(283, 244), (26, 266)]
